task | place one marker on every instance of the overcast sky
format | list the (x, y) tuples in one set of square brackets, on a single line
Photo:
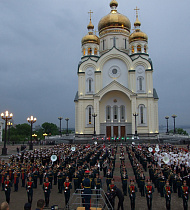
[(40, 47)]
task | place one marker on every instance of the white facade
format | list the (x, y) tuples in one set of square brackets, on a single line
[(116, 81)]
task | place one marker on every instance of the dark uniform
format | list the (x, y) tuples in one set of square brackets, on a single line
[(7, 188), (29, 188), (184, 192), (60, 181), (47, 191), (87, 192), (132, 189), (149, 189), (67, 187), (124, 178), (167, 193)]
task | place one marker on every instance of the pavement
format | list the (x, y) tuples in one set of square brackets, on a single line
[(18, 199)]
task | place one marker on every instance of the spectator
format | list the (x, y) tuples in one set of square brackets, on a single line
[(40, 204), (4, 206), (27, 206)]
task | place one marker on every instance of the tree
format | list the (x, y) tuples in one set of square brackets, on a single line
[(179, 131), (50, 128)]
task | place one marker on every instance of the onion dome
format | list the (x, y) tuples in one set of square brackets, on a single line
[(90, 37), (138, 35), (114, 19)]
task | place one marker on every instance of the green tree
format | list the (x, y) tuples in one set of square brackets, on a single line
[(50, 128), (179, 131)]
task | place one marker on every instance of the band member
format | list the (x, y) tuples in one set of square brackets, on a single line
[(16, 180), (142, 183), (109, 176), (23, 176), (132, 189), (55, 174), (7, 187), (76, 180), (149, 189), (67, 187), (185, 194), (35, 177), (47, 191), (124, 178), (120, 196), (87, 190), (60, 181), (167, 193), (29, 188)]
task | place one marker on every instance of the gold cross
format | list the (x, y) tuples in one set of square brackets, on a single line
[(136, 11), (95, 32), (90, 13)]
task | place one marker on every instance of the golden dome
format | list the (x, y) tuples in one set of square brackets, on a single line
[(90, 38), (138, 35), (114, 19), (90, 26)]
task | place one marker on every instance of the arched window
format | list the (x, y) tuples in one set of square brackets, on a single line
[(90, 85), (142, 114), (89, 111), (95, 51), (138, 49), (108, 112), (84, 52), (89, 51), (145, 49), (90, 115), (132, 49), (115, 112), (140, 83), (122, 112)]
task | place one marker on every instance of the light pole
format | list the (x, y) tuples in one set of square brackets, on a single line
[(31, 120), (67, 119), (174, 116), (44, 134), (135, 115), (167, 132), (9, 124), (60, 118), (94, 116), (5, 116)]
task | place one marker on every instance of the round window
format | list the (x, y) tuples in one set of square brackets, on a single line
[(114, 71)]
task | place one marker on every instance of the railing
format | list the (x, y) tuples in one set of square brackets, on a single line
[(99, 200)]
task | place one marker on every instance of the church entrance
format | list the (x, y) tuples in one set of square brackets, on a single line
[(108, 131), (115, 131), (122, 131)]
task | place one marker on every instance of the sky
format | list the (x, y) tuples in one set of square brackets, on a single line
[(40, 48)]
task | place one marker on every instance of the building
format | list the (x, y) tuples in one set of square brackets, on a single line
[(115, 80)]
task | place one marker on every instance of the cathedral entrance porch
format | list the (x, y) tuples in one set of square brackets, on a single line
[(118, 130)]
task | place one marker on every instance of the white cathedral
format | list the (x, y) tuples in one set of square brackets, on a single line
[(115, 80)]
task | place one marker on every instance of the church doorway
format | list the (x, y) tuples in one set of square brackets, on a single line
[(115, 131), (122, 131), (108, 131)]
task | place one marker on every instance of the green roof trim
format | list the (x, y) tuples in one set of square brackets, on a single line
[(155, 95)]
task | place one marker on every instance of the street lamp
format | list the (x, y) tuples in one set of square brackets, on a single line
[(44, 134), (67, 119), (174, 116), (135, 115), (60, 118), (9, 124), (167, 132), (94, 116), (5, 116), (31, 120)]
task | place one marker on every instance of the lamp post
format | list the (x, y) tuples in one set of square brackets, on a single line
[(31, 120), (67, 119), (9, 124), (5, 116), (135, 115), (167, 132), (94, 116), (174, 116), (60, 118), (44, 134)]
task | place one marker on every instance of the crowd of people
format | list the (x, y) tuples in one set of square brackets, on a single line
[(67, 166)]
